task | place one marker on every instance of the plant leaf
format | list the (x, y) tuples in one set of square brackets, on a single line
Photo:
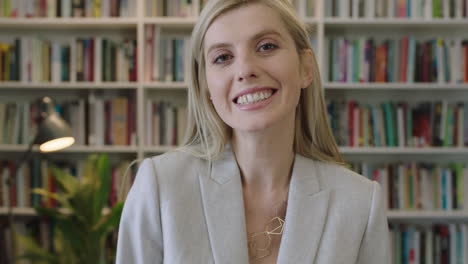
[(110, 221), (102, 178), (33, 251), (82, 202), (66, 182), (60, 198), (50, 212), (74, 235)]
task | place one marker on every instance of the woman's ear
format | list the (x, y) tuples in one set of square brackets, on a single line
[(307, 66)]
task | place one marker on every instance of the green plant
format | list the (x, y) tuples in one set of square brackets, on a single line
[(81, 227)]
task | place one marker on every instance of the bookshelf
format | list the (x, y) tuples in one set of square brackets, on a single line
[(322, 26)]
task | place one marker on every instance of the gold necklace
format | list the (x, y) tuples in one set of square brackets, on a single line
[(259, 243)]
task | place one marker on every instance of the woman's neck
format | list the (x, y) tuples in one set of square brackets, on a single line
[(265, 159)]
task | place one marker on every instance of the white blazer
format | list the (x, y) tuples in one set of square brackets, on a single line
[(182, 209)]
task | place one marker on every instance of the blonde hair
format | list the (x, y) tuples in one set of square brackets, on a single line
[(207, 134)]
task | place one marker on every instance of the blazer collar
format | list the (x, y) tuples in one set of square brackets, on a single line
[(225, 214)]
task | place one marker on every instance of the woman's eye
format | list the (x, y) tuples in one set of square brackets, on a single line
[(222, 58), (267, 46)]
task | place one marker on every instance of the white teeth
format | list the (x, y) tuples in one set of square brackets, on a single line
[(253, 98)]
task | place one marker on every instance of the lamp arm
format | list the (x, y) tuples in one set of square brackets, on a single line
[(10, 180), (26, 154)]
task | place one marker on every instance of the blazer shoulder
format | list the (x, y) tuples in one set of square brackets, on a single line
[(336, 176), (176, 163)]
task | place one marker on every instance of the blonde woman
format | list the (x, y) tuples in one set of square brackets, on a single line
[(260, 178)]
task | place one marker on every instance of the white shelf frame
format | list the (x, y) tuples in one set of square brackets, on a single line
[(336, 22), (406, 215), (405, 150), (139, 22), (320, 24), (165, 85), (69, 23), (68, 85), (394, 86), (30, 212), (74, 149), (393, 215)]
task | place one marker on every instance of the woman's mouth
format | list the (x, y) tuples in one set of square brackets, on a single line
[(254, 97)]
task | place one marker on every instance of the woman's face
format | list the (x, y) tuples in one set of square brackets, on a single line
[(253, 71)]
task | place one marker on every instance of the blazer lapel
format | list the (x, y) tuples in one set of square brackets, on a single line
[(224, 210), (306, 214)]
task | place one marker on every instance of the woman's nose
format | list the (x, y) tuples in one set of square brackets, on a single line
[(247, 69)]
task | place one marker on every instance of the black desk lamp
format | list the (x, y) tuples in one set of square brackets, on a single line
[(53, 134)]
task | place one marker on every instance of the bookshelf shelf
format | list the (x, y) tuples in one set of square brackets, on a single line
[(69, 23), (401, 23), (75, 149), (20, 211), (342, 86), (311, 20), (394, 86), (30, 212), (68, 85), (394, 215), (362, 150), (158, 149), (406, 150), (172, 22), (166, 85)]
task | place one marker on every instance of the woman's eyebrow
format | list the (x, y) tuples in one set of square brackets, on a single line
[(254, 37), (217, 45), (266, 32)]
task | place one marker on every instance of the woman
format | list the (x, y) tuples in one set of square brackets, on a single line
[(260, 179)]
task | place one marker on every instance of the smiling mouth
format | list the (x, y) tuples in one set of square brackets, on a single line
[(254, 97)]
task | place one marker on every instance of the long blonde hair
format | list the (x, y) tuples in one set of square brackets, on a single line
[(207, 135)]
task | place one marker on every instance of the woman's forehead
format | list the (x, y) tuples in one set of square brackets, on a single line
[(245, 23)]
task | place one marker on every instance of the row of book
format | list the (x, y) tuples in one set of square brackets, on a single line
[(67, 8), (418, 9), (31, 59), (166, 123), (187, 8), (399, 124), (420, 186), (38, 174), (166, 56), (179, 8), (436, 243), (404, 60), (309, 7), (40, 229), (97, 121)]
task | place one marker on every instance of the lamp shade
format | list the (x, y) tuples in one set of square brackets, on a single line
[(53, 133)]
